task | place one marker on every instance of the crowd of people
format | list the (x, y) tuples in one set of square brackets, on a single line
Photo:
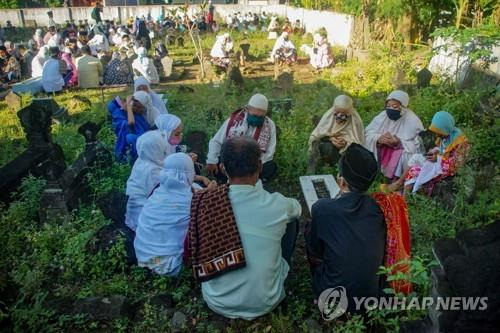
[(237, 237)]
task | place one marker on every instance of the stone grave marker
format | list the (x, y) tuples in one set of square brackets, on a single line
[(13, 100), (318, 187), (167, 64), (285, 81)]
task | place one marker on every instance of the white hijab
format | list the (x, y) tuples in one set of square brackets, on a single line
[(39, 60), (405, 128), (282, 43), (151, 112), (166, 124), (164, 220), (145, 66), (155, 98), (145, 173)]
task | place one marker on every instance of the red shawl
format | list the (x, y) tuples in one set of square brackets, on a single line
[(237, 126), (397, 247)]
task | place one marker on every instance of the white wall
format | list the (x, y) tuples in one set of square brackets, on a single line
[(338, 26)]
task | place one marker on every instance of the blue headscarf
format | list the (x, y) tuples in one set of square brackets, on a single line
[(443, 123)]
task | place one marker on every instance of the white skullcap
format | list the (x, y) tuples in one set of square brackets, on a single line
[(399, 96), (284, 34), (226, 35), (258, 101), (343, 102)]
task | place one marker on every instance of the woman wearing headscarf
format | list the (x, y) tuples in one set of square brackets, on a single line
[(145, 176), (164, 220), (38, 38), (130, 120), (284, 51), (442, 161), (71, 77), (142, 84), (220, 51), (392, 136), (117, 70), (338, 128), (39, 60), (144, 66)]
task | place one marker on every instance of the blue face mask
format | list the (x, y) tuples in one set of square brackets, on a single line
[(255, 121), (393, 114)]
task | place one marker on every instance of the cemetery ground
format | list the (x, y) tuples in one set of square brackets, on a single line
[(52, 278)]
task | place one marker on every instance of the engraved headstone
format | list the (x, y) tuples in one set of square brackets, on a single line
[(317, 187), (167, 64)]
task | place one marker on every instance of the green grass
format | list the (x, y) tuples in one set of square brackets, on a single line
[(40, 262)]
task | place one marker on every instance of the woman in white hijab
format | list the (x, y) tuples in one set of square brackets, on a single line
[(39, 60), (392, 136), (144, 66), (151, 111), (220, 51), (164, 220), (284, 50), (141, 83), (338, 128), (145, 175)]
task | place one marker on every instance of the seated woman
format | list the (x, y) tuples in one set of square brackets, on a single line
[(142, 84), (38, 61), (145, 176), (10, 69), (117, 71), (144, 66), (338, 128), (392, 136), (130, 120), (440, 162), (220, 51), (320, 53), (71, 76), (284, 51), (164, 220)]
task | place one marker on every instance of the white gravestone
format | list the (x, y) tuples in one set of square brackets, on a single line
[(317, 187)]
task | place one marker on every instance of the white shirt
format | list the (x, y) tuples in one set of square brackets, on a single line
[(215, 144), (52, 79)]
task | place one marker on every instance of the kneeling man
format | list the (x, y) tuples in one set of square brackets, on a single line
[(260, 227), (250, 121), (346, 239)]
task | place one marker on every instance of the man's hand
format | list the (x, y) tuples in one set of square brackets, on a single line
[(211, 169)]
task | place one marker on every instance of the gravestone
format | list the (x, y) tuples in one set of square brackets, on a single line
[(36, 120), (167, 64), (424, 77), (280, 106), (234, 77), (180, 41), (317, 187), (53, 204), (285, 81), (13, 100), (171, 36), (468, 266)]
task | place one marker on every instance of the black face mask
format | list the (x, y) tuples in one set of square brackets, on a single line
[(393, 114)]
